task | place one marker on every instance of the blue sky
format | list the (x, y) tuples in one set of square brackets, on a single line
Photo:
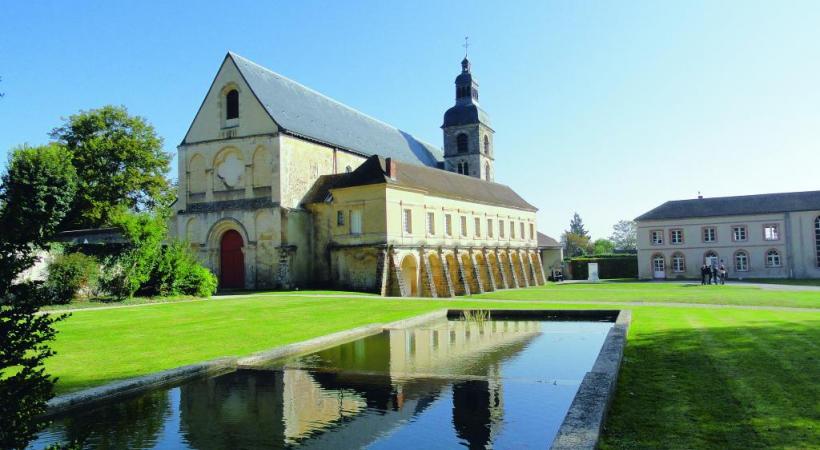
[(605, 108)]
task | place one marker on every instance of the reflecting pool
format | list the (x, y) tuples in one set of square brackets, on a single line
[(446, 384)]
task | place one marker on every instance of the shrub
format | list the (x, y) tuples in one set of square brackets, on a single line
[(609, 266), (179, 273), (72, 273)]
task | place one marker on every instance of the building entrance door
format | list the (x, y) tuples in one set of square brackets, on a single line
[(658, 267), (232, 261)]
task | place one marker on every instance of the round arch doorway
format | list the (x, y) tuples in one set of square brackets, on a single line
[(231, 261)]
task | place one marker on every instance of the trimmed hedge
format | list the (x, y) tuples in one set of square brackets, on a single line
[(609, 266)]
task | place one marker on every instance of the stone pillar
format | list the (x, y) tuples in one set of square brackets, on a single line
[(404, 290), (283, 270), (524, 270), (250, 265), (490, 274), (428, 285), (461, 274), (446, 268), (476, 271), (537, 268), (209, 185), (500, 266), (383, 272), (248, 180)]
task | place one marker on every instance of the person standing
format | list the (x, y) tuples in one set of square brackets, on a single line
[(713, 273), (722, 273), (704, 274)]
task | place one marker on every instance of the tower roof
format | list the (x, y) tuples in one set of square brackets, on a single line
[(466, 110)]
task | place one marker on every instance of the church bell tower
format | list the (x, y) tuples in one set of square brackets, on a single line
[(468, 137)]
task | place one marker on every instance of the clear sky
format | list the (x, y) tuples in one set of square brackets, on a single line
[(605, 108)]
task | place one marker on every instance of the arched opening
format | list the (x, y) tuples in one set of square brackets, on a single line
[(409, 274), (483, 270), (710, 258), (658, 266), (741, 261), (439, 278), (231, 261), (469, 273), (493, 263), (486, 145), (487, 175), (232, 104), (461, 143), (505, 267), (455, 278), (678, 263), (773, 258)]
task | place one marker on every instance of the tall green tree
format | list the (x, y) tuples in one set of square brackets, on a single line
[(576, 240), (119, 162), (576, 226), (602, 246), (625, 235), (35, 195)]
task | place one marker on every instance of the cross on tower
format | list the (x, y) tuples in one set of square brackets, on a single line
[(466, 45)]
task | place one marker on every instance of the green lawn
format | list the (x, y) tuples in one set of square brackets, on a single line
[(693, 377)]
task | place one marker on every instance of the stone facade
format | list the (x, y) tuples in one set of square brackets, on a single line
[(248, 174)]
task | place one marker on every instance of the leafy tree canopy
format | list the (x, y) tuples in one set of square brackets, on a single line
[(119, 163), (575, 244), (603, 246), (625, 235)]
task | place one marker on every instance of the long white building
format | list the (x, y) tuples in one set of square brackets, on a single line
[(754, 236)]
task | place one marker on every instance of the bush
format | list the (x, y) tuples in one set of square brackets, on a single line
[(72, 273), (179, 273), (609, 266)]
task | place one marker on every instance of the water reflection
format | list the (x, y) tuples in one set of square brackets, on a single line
[(436, 386)]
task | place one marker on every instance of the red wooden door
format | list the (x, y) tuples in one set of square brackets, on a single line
[(232, 262)]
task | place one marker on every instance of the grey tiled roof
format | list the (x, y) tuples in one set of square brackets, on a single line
[(302, 111), (546, 241), (735, 206), (434, 181)]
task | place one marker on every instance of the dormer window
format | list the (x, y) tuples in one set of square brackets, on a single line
[(461, 143), (232, 104)]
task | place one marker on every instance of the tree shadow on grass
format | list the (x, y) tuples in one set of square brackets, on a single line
[(740, 387)]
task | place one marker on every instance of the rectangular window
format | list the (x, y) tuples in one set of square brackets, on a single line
[(431, 223), (355, 222), (490, 228), (521, 227), (532, 231), (407, 221), (709, 234), (477, 227), (656, 237), (464, 226), (448, 225), (771, 232), (340, 218), (739, 233), (676, 236), (512, 230), (501, 229)]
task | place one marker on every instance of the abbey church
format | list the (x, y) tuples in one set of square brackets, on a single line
[(283, 187)]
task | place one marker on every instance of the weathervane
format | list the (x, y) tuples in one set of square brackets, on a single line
[(466, 45)]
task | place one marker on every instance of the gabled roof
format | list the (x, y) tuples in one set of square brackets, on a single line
[(301, 111), (545, 241), (435, 182), (735, 206)]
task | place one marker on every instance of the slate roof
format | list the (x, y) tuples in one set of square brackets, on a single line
[(301, 111), (465, 114), (545, 241), (735, 206), (433, 181)]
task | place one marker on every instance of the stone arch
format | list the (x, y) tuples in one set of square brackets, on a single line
[(455, 276), (223, 100), (492, 262), (410, 275), (482, 268), (262, 168), (197, 175), (229, 169), (469, 272), (505, 267), (436, 268), (516, 262)]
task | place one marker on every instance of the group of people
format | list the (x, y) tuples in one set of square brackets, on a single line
[(713, 273)]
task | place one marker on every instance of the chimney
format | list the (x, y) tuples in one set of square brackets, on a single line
[(392, 169)]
